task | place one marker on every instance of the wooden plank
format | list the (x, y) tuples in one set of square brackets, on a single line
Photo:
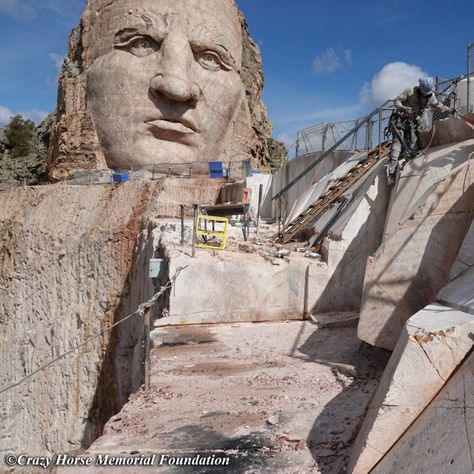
[(333, 194)]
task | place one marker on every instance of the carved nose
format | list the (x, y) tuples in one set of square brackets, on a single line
[(174, 77), (177, 88)]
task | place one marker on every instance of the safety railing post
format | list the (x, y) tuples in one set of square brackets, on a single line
[(279, 216), (182, 226), (260, 195), (468, 76), (195, 215), (380, 131), (146, 350), (369, 136)]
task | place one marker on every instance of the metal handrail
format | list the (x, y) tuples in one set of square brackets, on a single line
[(470, 47), (364, 121)]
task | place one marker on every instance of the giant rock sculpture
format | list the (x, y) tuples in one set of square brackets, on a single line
[(151, 82)]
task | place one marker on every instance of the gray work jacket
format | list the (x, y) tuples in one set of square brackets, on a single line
[(413, 98)]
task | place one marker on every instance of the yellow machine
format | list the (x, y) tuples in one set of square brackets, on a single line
[(211, 232)]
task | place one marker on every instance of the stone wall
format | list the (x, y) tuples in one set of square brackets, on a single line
[(430, 213)]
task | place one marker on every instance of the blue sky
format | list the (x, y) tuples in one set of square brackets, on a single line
[(324, 61)]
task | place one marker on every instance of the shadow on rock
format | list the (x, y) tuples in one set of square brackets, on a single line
[(357, 368)]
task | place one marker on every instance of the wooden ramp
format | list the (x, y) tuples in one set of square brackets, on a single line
[(333, 194)]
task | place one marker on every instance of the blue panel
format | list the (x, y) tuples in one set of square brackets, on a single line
[(216, 169), (120, 177)]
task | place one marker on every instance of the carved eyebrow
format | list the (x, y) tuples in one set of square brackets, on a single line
[(221, 50), (208, 37), (125, 34), (143, 23)]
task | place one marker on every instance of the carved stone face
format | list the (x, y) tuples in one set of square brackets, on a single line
[(165, 85)]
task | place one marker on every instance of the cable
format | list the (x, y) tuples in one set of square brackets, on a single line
[(431, 140), (140, 311)]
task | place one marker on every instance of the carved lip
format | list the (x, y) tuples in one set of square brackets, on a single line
[(180, 125)]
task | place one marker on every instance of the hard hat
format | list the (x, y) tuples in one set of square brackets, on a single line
[(426, 85)]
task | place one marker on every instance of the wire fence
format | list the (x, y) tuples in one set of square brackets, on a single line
[(451, 92), (234, 170), (323, 136)]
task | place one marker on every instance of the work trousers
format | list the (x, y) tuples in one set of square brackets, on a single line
[(407, 131)]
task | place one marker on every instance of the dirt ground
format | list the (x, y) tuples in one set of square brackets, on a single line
[(270, 397)]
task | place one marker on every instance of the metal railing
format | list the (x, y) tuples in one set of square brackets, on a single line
[(451, 92), (322, 136), (373, 125), (469, 73), (366, 133), (233, 170)]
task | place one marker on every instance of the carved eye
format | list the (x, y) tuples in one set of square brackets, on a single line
[(211, 61), (140, 46)]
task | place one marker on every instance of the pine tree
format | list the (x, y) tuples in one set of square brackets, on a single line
[(19, 133)]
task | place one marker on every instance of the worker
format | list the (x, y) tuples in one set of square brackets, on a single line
[(405, 120)]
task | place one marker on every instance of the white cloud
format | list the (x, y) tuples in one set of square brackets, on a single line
[(389, 82), (5, 115), (347, 53), (34, 114), (17, 9), (330, 61)]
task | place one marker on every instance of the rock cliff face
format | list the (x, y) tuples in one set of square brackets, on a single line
[(253, 78), (75, 144), (74, 260)]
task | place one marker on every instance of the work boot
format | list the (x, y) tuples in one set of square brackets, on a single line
[(391, 180), (392, 171), (392, 166)]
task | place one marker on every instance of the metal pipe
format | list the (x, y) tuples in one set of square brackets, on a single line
[(328, 152), (306, 293), (195, 214), (468, 98), (260, 195), (369, 137), (283, 215), (279, 216), (380, 132), (182, 226), (355, 136), (147, 368)]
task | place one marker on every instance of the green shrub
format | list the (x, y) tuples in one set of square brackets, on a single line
[(278, 154), (19, 133)]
